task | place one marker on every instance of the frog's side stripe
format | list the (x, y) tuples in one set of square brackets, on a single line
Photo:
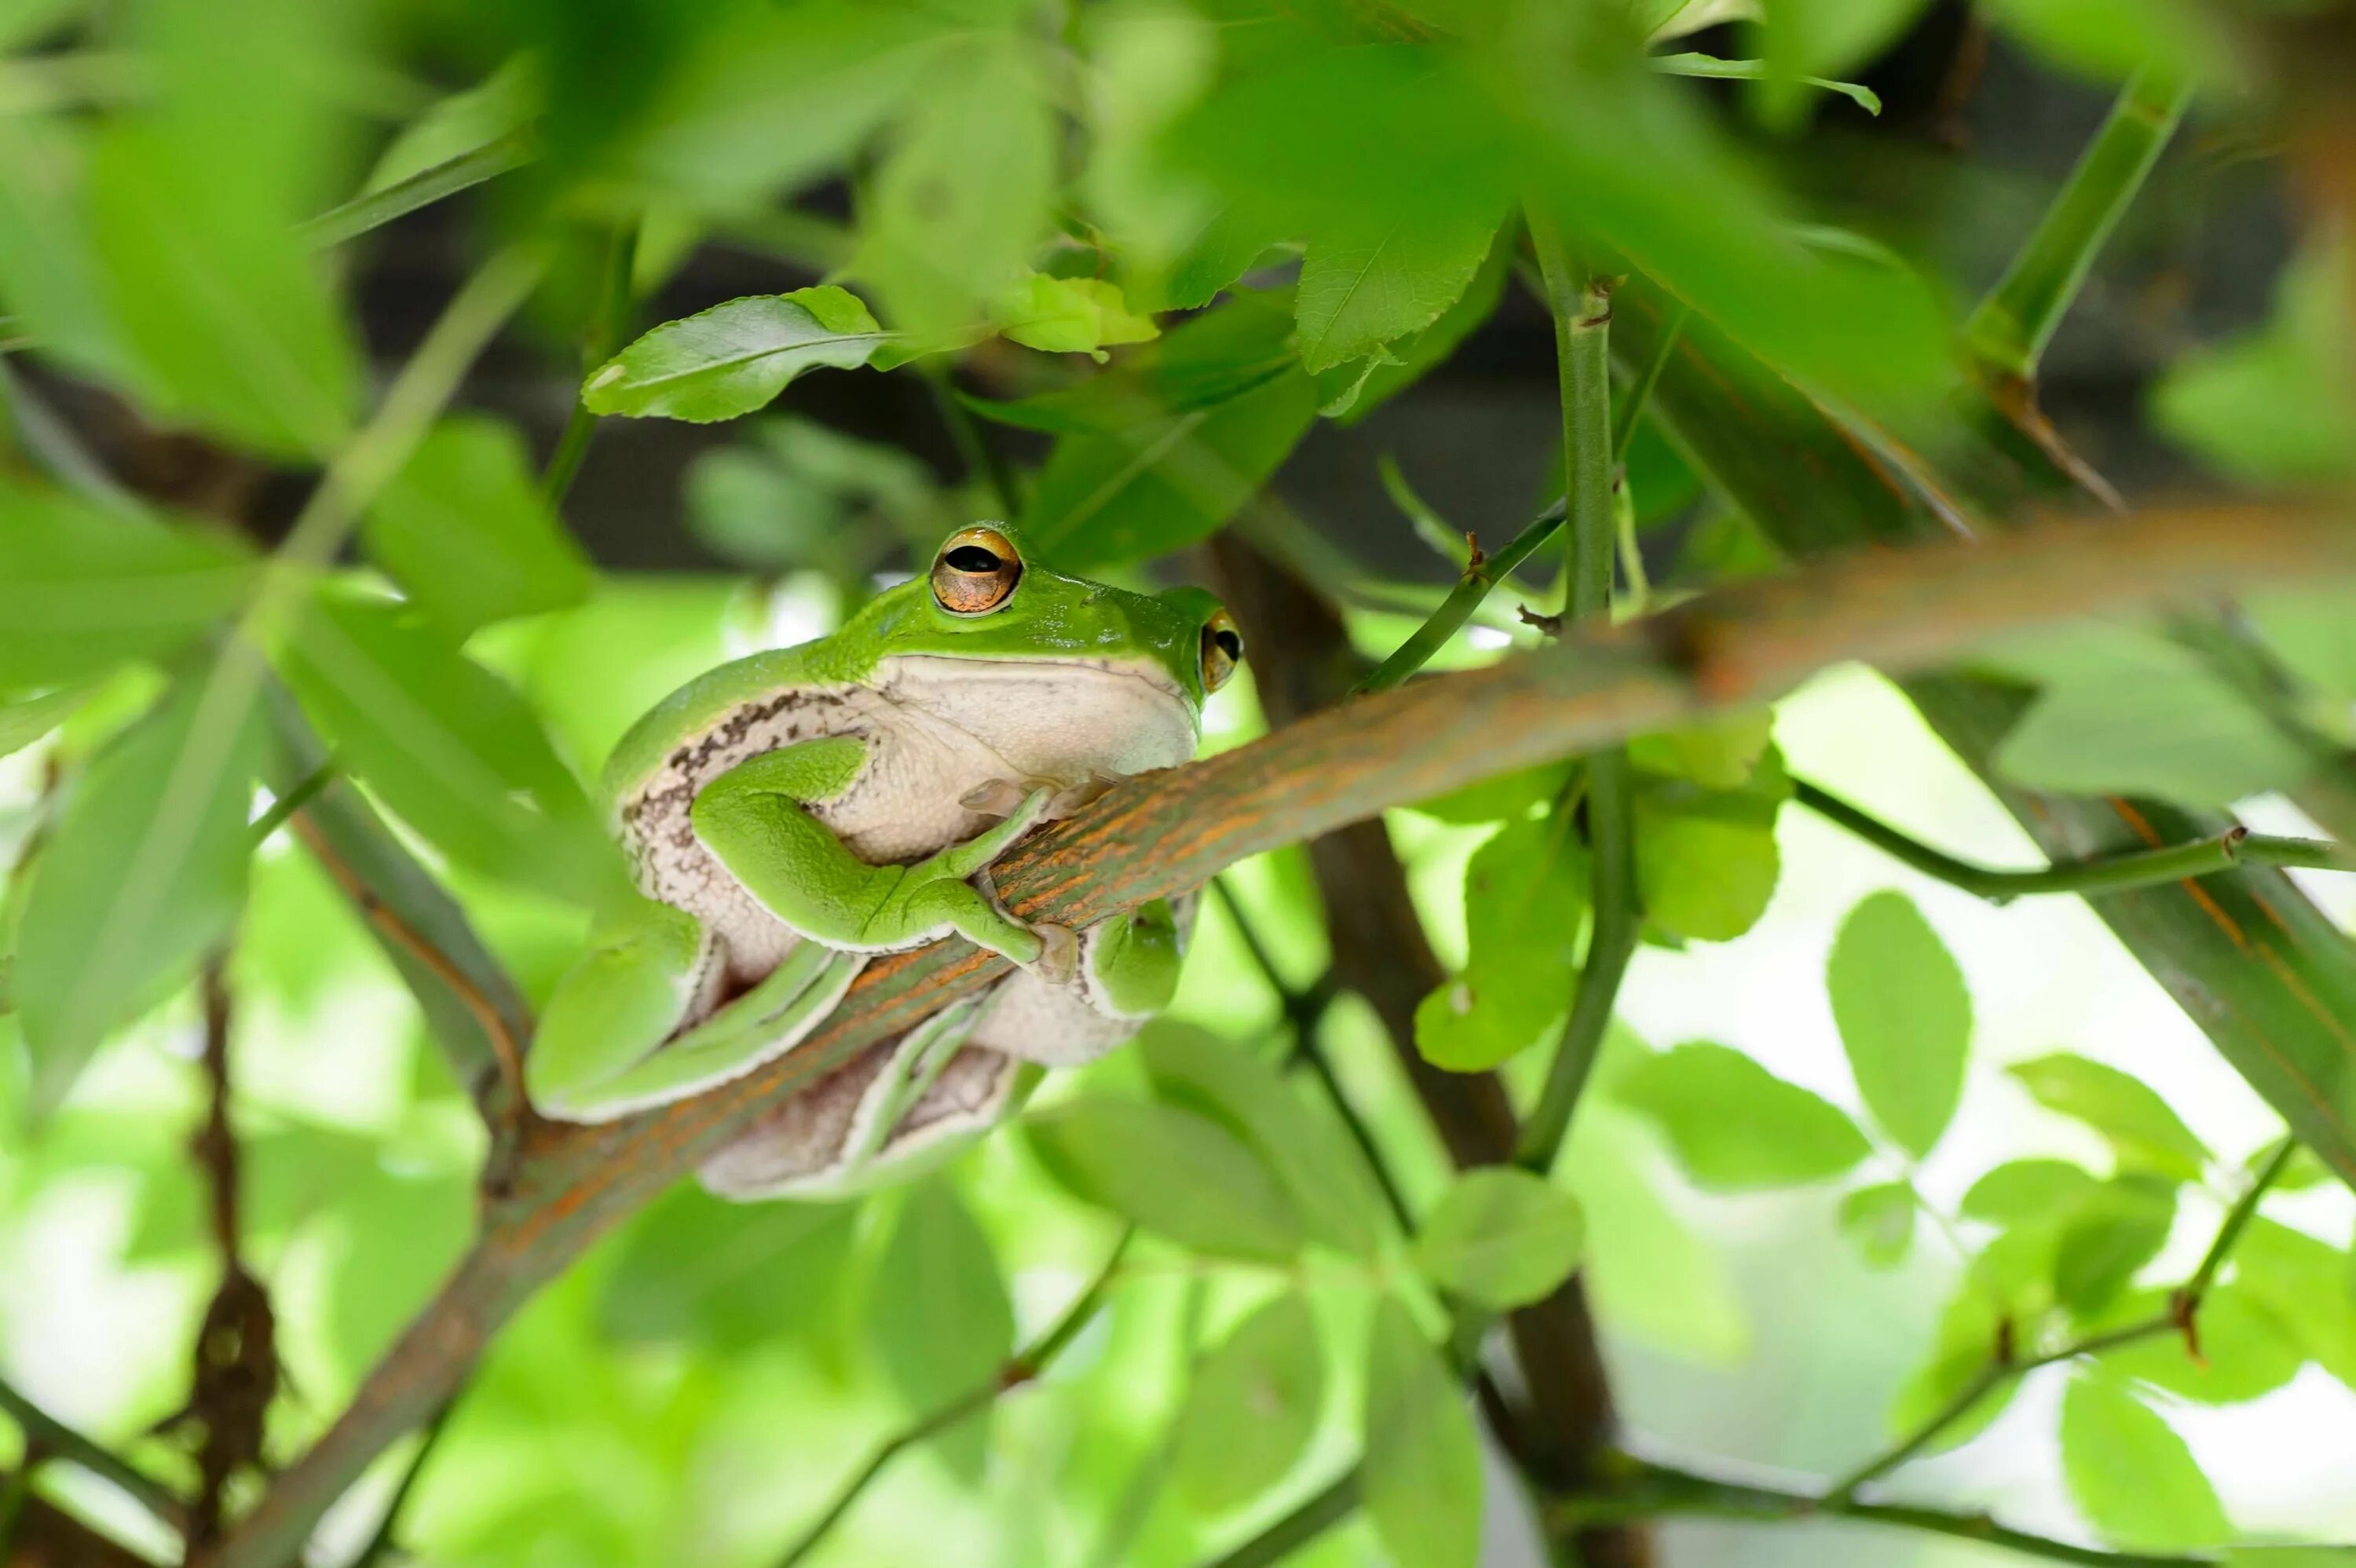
[(789, 1002)]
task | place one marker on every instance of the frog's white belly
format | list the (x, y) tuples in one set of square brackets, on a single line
[(936, 728)]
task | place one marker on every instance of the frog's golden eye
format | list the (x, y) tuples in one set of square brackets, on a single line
[(975, 573), (1223, 649)]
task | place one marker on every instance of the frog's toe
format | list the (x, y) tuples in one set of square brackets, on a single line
[(999, 798), (1072, 797), (1059, 953)]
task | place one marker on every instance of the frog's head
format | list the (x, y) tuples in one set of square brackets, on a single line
[(982, 600)]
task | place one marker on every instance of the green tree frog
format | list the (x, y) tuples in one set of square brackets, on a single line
[(791, 814)]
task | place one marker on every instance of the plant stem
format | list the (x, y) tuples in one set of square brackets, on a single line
[(2105, 874), (2010, 330), (617, 306), (381, 1543), (1640, 390), (1582, 302), (1025, 1365), (1313, 1517), (378, 207), (2182, 1312), (1618, 919), (1480, 576), (58, 1441)]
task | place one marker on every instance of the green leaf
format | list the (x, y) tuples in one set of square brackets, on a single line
[(1962, 1351), (727, 1276), (1707, 860), (1252, 1410), (466, 532), (1501, 1238), (83, 588), (2278, 406), (1736, 1126), (1067, 315), (1359, 290), (1402, 364), (1717, 754), (1223, 407), (1905, 1017), (2113, 38), (1328, 1181), (1499, 796), (1651, 1275), (2135, 1121), (2131, 1475), (1117, 1154), (1709, 66), (735, 356), (49, 279), (2125, 711), (449, 747), (402, 1234), (959, 204), (1879, 1220), (1524, 904), (2113, 1232), (506, 100), (2023, 1190), (22, 724), (939, 1313), (2246, 1350), (1420, 1471), (2308, 1286), (142, 877)]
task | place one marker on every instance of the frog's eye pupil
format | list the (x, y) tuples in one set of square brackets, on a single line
[(976, 572), (1231, 640), (972, 558)]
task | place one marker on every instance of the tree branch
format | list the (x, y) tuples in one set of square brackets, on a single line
[(1168, 832)]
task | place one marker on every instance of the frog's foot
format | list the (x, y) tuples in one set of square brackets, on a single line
[(1059, 953), (1089, 790), (1004, 798)]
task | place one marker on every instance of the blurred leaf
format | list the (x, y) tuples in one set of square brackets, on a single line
[(142, 877), (1879, 1220), (2130, 1475), (2315, 636), (1420, 1473), (1962, 1351), (22, 724), (83, 587), (1499, 796), (1252, 1410), (961, 199), (2246, 1352), (2135, 1120), (734, 358), (1717, 70), (1905, 1017), (2125, 711), (941, 1316), (1362, 287), (1717, 754), (727, 1276), (50, 278), (2307, 1286), (1221, 410), (2113, 39), (1653, 1278), (1067, 315), (402, 1234), (1197, 1070), (1662, 19), (2027, 1190), (2277, 406), (1117, 1154), (746, 508), (1736, 1126), (592, 670), (2290, 1557), (463, 529), (505, 100), (1501, 1238), (1525, 905), (449, 747), (2110, 1235), (1707, 860)]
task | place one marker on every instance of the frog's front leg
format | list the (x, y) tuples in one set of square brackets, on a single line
[(605, 1046), (753, 820)]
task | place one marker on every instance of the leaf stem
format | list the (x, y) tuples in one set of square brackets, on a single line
[(2103, 874), (1580, 300), (616, 304), (375, 208), (1618, 919), (2009, 331), (56, 1440), (1311, 1518), (1481, 575), (1023, 1367)]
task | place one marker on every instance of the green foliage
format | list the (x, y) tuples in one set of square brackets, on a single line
[(2277, 406), (1525, 903), (1880, 1220), (1422, 1470), (1501, 1238), (1735, 1126), (1706, 803), (1905, 1017), (1117, 1154), (2138, 1125), (939, 1317), (736, 358), (2023, 1189), (1254, 1405), (2131, 1475)]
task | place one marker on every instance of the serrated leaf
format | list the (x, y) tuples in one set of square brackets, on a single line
[(2111, 1234), (1359, 290), (463, 529), (939, 1315), (1197, 1070), (2023, 1190), (1410, 359), (2129, 1473), (1421, 1472), (2246, 1350), (726, 1276), (734, 358), (142, 877), (1118, 1155), (1501, 1238), (1736, 1126), (2131, 1115), (1252, 1410), (449, 747), (2308, 1286), (1904, 1015), (84, 588), (1880, 1220), (1068, 315), (1525, 905)]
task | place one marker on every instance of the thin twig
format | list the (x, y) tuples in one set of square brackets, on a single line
[(381, 1543), (617, 305), (2104, 874), (2181, 1315), (1025, 1367), (283, 807), (56, 1440), (1313, 1517), (1481, 574)]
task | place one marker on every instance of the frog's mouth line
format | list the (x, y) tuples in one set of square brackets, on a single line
[(1144, 671)]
